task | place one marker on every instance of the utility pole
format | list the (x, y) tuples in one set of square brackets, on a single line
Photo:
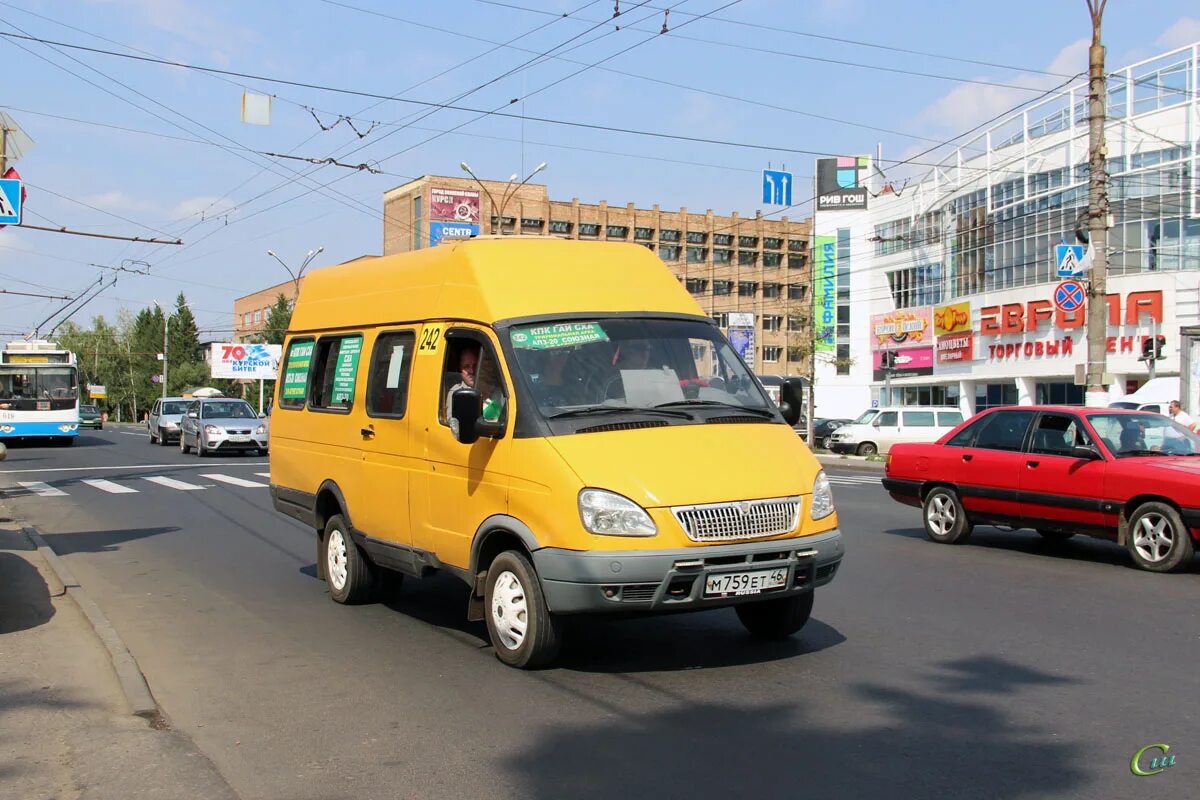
[(1097, 309)]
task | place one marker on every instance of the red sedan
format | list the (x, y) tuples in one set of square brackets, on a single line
[(1129, 476)]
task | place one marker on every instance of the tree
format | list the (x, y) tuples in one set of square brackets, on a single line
[(278, 320), (183, 342), (143, 342)]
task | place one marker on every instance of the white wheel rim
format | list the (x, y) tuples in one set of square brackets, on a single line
[(510, 612), (335, 559), (1153, 537), (941, 515)]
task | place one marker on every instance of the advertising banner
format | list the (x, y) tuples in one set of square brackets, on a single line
[(841, 183), (450, 231), (346, 370), (742, 340), (908, 327), (295, 373), (955, 347), (824, 293), (952, 318), (97, 392), (910, 363), (245, 361), (453, 205)]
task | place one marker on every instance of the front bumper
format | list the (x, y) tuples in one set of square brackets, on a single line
[(227, 443), (842, 447), (576, 582), (91, 423)]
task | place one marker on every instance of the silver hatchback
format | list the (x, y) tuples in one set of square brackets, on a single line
[(222, 425), (165, 417)]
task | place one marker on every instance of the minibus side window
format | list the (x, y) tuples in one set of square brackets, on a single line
[(294, 387), (387, 383), (334, 373), (487, 378)]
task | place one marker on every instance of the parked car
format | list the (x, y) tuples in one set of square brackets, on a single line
[(878, 429), (1154, 396), (165, 418), (89, 417), (222, 425), (1129, 476), (823, 431)]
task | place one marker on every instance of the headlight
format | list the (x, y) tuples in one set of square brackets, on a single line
[(169, 424), (260, 430), (610, 514), (822, 497), (212, 430)]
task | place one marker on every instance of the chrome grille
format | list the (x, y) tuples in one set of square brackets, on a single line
[(749, 519)]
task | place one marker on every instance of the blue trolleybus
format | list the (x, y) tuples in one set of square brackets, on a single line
[(39, 393)]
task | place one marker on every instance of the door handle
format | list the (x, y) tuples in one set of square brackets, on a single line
[(967, 456), (1032, 463), (368, 432)]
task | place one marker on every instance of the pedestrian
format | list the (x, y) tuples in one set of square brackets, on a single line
[(1177, 414)]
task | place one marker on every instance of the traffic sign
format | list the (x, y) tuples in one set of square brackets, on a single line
[(777, 187), (1069, 295), (10, 201), (1069, 258)]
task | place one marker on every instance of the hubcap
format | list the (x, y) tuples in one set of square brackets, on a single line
[(941, 515), (510, 614), (335, 559), (1153, 537)]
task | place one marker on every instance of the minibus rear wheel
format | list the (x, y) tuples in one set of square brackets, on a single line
[(347, 571), (523, 631), (776, 619)]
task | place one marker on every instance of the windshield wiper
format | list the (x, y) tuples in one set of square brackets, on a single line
[(762, 412), (588, 410)]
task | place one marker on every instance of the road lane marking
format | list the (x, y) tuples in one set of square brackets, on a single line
[(42, 489), (109, 486), (171, 483), (232, 481), (132, 433), (263, 474), (128, 466)]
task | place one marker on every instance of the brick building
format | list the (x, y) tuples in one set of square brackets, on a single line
[(250, 312), (730, 264)]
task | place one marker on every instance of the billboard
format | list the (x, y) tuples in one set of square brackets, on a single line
[(955, 347), (952, 318), (824, 293), (245, 361), (742, 340), (841, 183), (450, 231), (453, 205), (902, 329), (910, 363)]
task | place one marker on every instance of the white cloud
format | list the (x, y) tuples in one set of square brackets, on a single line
[(1186, 30), (185, 20), (210, 206)]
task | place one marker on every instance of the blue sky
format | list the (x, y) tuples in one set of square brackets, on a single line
[(230, 205)]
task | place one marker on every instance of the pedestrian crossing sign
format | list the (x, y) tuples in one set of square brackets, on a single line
[(1070, 260), (10, 201)]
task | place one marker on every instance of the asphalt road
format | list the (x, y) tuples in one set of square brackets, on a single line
[(1005, 668)]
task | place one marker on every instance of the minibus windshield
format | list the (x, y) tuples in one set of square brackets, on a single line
[(580, 367)]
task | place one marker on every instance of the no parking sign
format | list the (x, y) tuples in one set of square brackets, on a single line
[(1069, 296)]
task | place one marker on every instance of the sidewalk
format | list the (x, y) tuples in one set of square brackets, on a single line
[(65, 727)]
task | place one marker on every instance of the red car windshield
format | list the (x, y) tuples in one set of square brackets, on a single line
[(1137, 435)]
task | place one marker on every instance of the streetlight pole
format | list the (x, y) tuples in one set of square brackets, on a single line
[(509, 192), (166, 329), (296, 276), (491, 200), (509, 195)]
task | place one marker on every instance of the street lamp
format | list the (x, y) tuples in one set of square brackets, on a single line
[(296, 276), (507, 193), (467, 169)]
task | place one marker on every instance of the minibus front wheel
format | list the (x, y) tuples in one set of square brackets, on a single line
[(778, 618), (523, 631)]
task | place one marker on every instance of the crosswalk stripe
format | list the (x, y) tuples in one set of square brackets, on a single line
[(232, 481), (263, 474), (42, 489), (171, 483), (109, 486)]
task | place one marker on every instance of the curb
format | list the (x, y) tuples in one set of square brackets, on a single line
[(133, 683), (851, 463)]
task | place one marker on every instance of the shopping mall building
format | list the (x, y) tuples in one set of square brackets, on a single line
[(957, 272)]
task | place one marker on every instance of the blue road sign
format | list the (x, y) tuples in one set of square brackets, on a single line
[(10, 201), (777, 187), (1069, 295), (451, 230), (1069, 258)]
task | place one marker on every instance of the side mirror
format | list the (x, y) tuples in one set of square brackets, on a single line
[(465, 409), (192, 415), (875, 424), (1086, 451), (791, 400)]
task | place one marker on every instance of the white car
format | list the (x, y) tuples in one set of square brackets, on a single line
[(876, 430)]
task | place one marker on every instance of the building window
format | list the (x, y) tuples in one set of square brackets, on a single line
[(989, 395), (696, 255), (257, 315), (797, 246), (589, 229), (842, 354), (722, 287), (772, 259), (747, 258), (748, 241), (747, 288), (929, 396), (617, 231), (531, 224), (506, 224), (697, 285), (795, 353), (560, 226), (643, 234), (772, 323), (1058, 394), (722, 256), (797, 291), (916, 286), (797, 262), (771, 353), (666, 235), (722, 239), (246, 318), (795, 323), (721, 318), (668, 252), (772, 243), (893, 237), (417, 222), (697, 237), (771, 289)]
